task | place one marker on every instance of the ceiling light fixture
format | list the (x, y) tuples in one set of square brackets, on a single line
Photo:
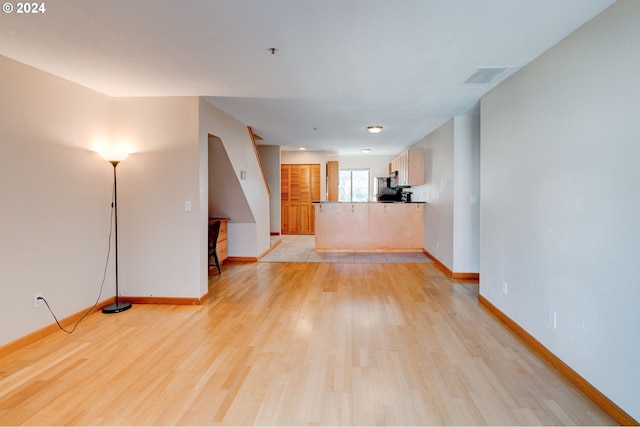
[(366, 150), (301, 148), (374, 129)]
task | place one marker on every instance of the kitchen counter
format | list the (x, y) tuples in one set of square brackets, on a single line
[(390, 201), (369, 226)]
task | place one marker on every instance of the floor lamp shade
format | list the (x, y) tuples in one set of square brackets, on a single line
[(114, 157)]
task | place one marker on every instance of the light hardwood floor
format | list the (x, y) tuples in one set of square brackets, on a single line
[(295, 343)]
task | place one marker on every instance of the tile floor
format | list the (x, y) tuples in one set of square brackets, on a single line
[(300, 248)]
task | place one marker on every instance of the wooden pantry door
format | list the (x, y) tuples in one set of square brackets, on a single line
[(300, 186)]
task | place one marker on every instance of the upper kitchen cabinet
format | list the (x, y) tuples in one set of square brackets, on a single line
[(333, 181), (410, 167)]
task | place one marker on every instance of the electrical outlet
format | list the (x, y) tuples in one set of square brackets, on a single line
[(505, 288), (37, 303)]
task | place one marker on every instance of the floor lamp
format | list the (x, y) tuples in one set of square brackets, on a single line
[(115, 157)]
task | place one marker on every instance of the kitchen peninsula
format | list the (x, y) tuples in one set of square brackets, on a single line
[(369, 226)]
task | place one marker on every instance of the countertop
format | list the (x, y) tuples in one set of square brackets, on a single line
[(387, 202)]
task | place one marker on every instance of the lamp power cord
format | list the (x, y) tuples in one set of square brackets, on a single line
[(104, 276)]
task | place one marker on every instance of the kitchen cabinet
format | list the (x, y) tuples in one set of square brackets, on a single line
[(299, 187), (410, 166), (333, 178)]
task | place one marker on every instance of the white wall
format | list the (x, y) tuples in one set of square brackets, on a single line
[(451, 190), (378, 166), (560, 201), (163, 248), (270, 157), (226, 198), (56, 196), (437, 192), (245, 239), (159, 242), (466, 194)]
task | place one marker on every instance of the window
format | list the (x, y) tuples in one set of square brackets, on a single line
[(353, 185)]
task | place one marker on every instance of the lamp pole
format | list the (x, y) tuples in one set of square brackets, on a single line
[(114, 159)]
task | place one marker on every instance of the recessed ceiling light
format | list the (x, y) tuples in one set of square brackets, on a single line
[(366, 150), (301, 148), (374, 129)]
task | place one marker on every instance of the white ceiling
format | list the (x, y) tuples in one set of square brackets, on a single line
[(340, 65)]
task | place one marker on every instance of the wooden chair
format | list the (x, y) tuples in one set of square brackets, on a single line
[(214, 231)]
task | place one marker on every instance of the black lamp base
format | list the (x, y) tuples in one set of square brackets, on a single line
[(116, 307)]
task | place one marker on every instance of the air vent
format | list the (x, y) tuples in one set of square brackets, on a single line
[(486, 75)]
